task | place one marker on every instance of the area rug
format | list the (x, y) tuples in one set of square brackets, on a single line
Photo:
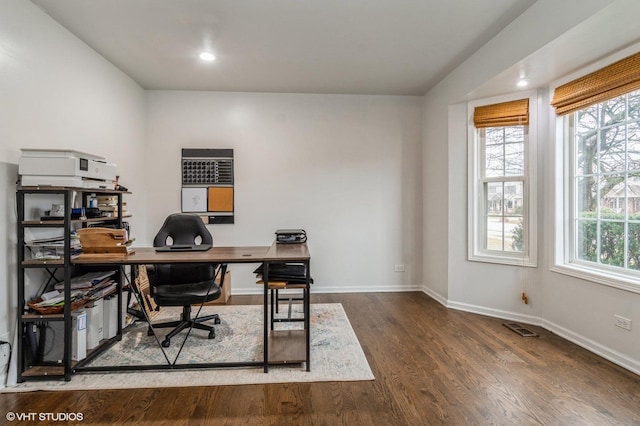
[(336, 354)]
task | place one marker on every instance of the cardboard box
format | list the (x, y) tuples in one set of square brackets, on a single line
[(226, 291), (143, 286), (127, 301)]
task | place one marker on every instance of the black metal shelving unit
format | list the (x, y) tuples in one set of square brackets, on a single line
[(26, 317)]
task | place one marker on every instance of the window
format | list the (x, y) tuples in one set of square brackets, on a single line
[(501, 191), (600, 215)]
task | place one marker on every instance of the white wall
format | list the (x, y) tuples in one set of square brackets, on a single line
[(345, 168), (445, 160), (579, 310), (357, 167), (56, 92)]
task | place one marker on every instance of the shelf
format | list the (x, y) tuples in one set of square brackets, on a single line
[(287, 346), (48, 188), (55, 370), (57, 223), (36, 263), (42, 317), (43, 371), (79, 306), (66, 226)]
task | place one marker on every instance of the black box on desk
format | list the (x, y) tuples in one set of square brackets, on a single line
[(291, 236)]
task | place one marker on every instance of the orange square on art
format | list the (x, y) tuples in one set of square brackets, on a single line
[(220, 199)]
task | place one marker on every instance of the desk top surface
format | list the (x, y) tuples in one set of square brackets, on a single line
[(248, 254)]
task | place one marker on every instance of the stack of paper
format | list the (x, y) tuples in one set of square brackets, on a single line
[(108, 205), (59, 299), (52, 248), (86, 281)]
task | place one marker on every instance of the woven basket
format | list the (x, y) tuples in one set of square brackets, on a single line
[(48, 310), (142, 286)]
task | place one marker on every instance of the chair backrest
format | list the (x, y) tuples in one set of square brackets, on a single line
[(183, 228)]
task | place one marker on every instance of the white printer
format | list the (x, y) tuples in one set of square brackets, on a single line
[(61, 167)]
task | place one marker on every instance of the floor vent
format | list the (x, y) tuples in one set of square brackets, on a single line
[(514, 326)]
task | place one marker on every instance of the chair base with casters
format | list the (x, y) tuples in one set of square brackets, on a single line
[(186, 322), (185, 284), (202, 292)]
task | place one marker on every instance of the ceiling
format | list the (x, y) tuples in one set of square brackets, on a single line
[(385, 47)]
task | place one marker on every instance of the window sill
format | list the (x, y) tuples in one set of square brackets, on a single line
[(610, 279), (503, 260)]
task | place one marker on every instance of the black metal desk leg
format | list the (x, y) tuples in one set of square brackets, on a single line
[(272, 308), (265, 278), (307, 314)]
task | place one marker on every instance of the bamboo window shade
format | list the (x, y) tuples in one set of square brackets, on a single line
[(512, 113), (609, 82)]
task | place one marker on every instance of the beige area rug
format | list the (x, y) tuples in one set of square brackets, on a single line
[(336, 354)]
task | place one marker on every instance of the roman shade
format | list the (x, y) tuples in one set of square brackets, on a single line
[(609, 82), (512, 113)]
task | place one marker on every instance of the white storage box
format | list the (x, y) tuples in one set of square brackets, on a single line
[(95, 320)]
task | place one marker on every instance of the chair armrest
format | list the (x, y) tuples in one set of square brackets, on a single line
[(152, 276)]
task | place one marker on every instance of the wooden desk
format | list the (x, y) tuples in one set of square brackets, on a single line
[(284, 346), (149, 256), (277, 345)]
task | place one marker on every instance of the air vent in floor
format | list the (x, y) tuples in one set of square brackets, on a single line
[(522, 331)]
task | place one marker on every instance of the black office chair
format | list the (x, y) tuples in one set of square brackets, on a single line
[(185, 284)]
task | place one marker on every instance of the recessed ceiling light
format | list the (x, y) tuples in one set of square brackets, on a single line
[(207, 56), (522, 83)]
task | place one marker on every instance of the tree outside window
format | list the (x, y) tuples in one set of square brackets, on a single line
[(606, 182)]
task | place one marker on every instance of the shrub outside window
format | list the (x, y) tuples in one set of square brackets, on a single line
[(605, 176), (598, 175)]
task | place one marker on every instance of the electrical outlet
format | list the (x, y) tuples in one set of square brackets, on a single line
[(622, 322), (399, 268)]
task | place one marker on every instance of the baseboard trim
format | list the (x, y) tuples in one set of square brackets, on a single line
[(496, 313), (435, 296), (341, 289), (582, 341), (595, 347), (588, 344)]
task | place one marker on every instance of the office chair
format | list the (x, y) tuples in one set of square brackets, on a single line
[(184, 285)]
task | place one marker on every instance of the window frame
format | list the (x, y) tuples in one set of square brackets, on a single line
[(476, 228), (565, 260)]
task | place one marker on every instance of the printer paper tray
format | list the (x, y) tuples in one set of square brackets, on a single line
[(71, 181)]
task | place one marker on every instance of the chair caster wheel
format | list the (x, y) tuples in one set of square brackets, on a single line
[(212, 334), (165, 343), (216, 321)]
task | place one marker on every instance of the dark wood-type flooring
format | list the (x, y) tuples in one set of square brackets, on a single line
[(432, 366)]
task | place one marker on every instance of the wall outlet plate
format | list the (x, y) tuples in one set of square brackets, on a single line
[(622, 322)]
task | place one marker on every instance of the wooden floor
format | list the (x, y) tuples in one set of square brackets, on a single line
[(432, 366)]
